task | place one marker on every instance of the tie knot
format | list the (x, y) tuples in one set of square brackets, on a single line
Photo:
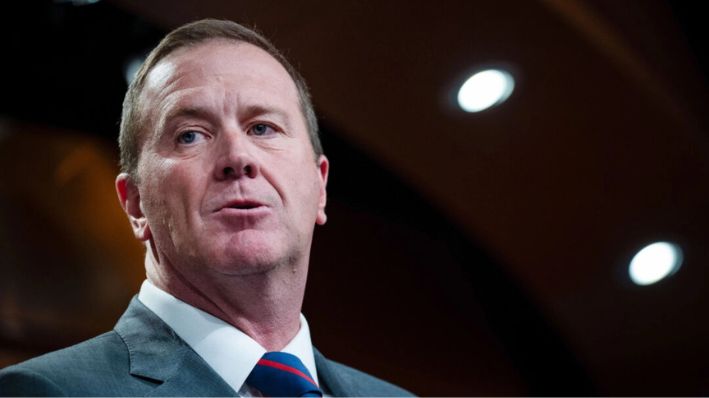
[(279, 374)]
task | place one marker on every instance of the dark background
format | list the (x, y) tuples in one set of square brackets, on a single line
[(465, 254)]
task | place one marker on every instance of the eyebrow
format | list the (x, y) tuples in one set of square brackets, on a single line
[(252, 111), (243, 113), (188, 111)]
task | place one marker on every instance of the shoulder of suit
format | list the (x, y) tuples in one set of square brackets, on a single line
[(64, 372), (20, 381), (356, 380), (76, 357)]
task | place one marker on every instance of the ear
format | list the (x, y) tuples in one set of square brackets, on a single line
[(323, 170), (129, 197)]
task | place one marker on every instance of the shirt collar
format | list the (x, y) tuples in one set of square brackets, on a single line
[(229, 351)]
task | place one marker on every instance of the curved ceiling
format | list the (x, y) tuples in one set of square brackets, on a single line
[(601, 149)]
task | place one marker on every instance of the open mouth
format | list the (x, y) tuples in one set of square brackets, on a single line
[(243, 205)]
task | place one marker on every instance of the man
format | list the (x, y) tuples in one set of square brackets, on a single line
[(223, 178)]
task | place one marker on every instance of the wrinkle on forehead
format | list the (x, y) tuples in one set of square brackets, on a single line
[(157, 83), (190, 62), (160, 75), (190, 69)]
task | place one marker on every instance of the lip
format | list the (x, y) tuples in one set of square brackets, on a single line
[(242, 207), (241, 204)]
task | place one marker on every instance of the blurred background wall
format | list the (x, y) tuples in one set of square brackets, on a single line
[(493, 247)]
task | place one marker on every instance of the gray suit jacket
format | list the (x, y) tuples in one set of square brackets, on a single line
[(143, 356)]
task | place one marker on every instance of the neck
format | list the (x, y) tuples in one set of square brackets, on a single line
[(266, 305)]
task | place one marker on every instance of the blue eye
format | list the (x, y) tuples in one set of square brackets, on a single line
[(188, 137), (261, 129)]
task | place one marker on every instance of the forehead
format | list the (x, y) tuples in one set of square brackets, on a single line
[(239, 70)]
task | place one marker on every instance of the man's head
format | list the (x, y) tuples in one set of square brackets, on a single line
[(223, 181), (134, 125)]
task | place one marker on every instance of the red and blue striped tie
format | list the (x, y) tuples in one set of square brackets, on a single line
[(279, 374)]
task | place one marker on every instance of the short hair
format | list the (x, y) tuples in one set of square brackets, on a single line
[(188, 35)]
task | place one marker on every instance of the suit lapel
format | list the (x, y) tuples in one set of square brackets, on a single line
[(199, 381), (158, 355)]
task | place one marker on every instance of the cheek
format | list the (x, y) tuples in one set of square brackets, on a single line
[(173, 190), (307, 189), (183, 189)]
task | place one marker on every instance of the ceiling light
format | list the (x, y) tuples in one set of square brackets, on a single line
[(485, 89), (655, 262)]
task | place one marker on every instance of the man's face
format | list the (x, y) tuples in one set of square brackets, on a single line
[(228, 181)]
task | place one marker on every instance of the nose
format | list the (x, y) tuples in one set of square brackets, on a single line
[(234, 158)]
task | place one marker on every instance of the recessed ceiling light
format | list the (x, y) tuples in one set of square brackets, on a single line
[(485, 89), (655, 262)]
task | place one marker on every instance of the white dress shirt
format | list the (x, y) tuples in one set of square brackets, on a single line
[(228, 350)]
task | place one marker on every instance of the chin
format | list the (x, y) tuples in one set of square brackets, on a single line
[(250, 256), (243, 265)]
